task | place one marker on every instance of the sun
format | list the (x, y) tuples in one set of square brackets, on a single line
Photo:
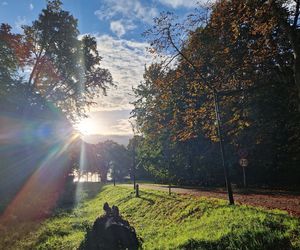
[(86, 127)]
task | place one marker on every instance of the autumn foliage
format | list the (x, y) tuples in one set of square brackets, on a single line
[(240, 50)]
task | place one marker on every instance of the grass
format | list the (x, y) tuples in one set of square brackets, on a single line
[(167, 222)]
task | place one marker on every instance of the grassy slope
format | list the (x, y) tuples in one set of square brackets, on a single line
[(176, 222)]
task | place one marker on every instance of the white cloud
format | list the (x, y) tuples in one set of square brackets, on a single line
[(127, 10), (125, 60), (184, 3), (118, 28), (4, 3), (122, 127), (31, 7), (20, 22)]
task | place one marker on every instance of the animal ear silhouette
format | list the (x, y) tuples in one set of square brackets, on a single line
[(115, 210), (106, 208)]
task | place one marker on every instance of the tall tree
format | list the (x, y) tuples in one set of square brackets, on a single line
[(65, 69), (241, 52)]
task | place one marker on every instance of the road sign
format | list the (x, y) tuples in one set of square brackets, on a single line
[(243, 162)]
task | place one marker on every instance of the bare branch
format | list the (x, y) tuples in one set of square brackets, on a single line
[(188, 61)]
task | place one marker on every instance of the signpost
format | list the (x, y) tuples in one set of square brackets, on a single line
[(244, 163)]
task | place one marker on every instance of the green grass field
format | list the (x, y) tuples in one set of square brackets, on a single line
[(165, 222)]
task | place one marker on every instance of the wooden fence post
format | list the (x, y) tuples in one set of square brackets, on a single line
[(137, 190)]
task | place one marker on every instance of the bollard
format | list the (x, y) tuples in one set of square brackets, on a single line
[(137, 190)]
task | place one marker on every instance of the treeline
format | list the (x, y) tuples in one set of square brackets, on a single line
[(106, 158), (247, 55)]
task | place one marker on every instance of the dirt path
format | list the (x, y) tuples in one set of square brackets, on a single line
[(270, 199)]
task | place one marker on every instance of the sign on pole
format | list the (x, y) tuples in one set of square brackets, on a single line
[(243, 162)]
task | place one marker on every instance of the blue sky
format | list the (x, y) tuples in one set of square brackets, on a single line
[(117, 25), (126, 18)]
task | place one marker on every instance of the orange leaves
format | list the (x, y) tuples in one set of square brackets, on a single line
[(226, 50), (236, 50), (20, 48)]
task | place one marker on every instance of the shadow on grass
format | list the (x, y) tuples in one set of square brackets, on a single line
[(146, 195), (150, 201), (164, 195), (195, 188), (91, 189), (247, 240), (78, 192)]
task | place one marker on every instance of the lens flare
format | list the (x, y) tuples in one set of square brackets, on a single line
[(86, 127), (35, 168)]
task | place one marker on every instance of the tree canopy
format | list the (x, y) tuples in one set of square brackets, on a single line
[(241, 50), (64, 67)]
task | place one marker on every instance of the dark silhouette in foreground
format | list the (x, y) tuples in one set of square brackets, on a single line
[(110, 231)]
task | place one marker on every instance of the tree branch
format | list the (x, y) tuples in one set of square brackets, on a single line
[(188, 61), (296, 14), (35, 66), (38, 59)]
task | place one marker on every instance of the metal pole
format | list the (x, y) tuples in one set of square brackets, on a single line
[(133, 164), (167, 158), (227, 179), (244, 175), (169, 177)]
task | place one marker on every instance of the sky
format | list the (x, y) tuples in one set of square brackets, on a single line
[(118, 26)]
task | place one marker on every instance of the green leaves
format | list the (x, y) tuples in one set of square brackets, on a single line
[(64, 68), (243, 53)]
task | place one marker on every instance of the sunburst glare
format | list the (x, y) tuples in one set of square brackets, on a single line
[(86, 127)]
